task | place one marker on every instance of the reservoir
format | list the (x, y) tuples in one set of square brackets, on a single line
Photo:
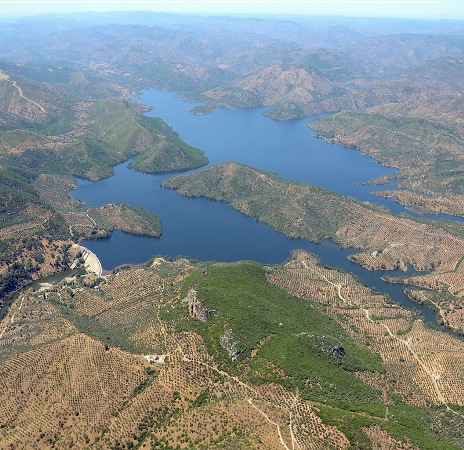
[(208, 230)]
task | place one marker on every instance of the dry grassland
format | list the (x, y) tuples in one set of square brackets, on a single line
[(400, 242), (426, 204)]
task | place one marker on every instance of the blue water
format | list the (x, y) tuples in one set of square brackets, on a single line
[(208, 230), (288, 148)]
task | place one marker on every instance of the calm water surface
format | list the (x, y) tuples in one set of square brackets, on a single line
[(208, 230)]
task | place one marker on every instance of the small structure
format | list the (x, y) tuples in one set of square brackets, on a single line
[(156, 359)]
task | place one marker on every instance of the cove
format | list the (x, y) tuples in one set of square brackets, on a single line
[(207, 230)]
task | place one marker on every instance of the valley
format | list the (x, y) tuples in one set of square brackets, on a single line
[(264, 286)]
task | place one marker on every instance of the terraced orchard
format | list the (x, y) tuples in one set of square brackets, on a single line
[(176, 354), (427, 150), (422, 361)]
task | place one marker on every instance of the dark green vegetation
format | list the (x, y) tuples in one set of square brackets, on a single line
[(281, 339), (290, 207), (13, 278), (294, 343), (30, 229), (64, 126), (170, 153), (406, 422), (118, 132), (304, 211), (16, 193), (113, 133), (254, 332), (64, 112)]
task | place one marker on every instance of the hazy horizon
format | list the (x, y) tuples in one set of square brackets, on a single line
[(408, 9)]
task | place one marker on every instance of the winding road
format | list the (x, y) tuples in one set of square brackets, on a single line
[(20, 91), (12, 316)]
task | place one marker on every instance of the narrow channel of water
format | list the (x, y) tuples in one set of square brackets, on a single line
[(35, 285), (51, 280)]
